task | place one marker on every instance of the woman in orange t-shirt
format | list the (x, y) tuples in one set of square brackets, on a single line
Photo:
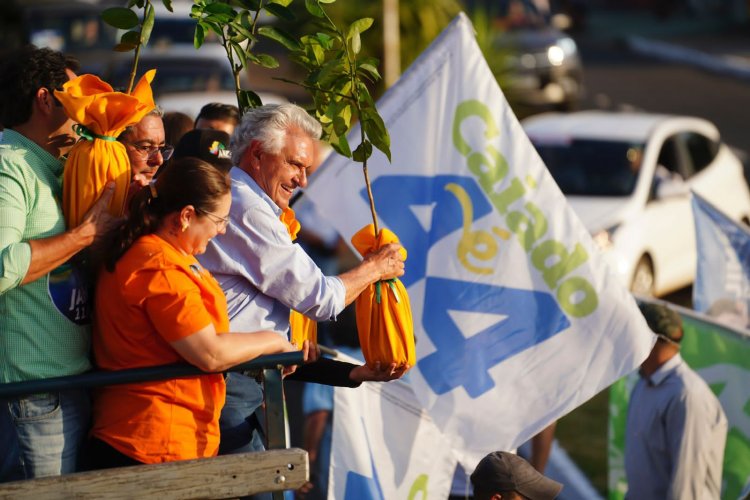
[(155, 304)]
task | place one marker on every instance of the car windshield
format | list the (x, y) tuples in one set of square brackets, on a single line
[(592, 167)]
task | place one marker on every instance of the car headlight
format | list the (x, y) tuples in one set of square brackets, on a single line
[(604, 238), (564, 48), (555, 55)]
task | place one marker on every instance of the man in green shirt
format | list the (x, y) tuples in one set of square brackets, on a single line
[(44, 319)]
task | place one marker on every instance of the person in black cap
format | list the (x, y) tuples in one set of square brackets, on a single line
[(218, 116), (506, 476), (676, 428), (211, 146)]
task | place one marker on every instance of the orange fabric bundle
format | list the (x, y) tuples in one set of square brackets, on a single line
[(384, 322), (301, 327), (102, 115)]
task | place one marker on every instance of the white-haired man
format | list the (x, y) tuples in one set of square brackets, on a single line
[(264, 274)]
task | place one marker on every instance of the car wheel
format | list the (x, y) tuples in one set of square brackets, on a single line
[(643, 278)]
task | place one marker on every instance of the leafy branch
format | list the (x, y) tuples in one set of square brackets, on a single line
[(337, 77), (138, 31), (236, 24)]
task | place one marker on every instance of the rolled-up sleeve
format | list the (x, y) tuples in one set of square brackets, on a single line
[(15, 255)]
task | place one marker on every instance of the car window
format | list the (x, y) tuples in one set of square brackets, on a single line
[(701, 150), (593, 167), (669, 157)]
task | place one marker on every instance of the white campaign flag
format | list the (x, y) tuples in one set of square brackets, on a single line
[(722, 281), (518, 320), (386, 446)]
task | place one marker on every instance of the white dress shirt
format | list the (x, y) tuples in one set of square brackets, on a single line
[(262, 272), (675, 436)]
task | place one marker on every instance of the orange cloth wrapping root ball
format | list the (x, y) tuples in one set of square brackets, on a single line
[(98, 158), (384, 322)]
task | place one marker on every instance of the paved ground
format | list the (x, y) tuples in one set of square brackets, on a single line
[(709, 43)]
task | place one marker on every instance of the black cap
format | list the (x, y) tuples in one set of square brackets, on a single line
[(662, 320), (211, 146), (502, 471)]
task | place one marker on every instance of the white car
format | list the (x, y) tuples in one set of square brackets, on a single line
[(628, 176)]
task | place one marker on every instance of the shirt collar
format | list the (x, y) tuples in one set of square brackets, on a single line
[(240, 175), (53, 164), (665, 370)]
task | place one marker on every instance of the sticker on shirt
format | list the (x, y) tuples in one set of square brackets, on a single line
[(69, 293)]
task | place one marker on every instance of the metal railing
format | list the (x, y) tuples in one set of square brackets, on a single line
[(270, 366)]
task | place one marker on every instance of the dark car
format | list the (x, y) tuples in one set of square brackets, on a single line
[(541, 70)]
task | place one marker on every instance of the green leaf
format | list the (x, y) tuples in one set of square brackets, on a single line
[(251, 4), (200, 34), (327, 1), (131, 38), (280, 36), (248, 100), (365, 99), (284, 3), (363, 151), (168, 5), (375, 131), (124, 47), (220, 8), (267, 61), (240, 31), (359, 26), (329, 71), (214, 25), (355, 42), (148, 24), (279, 11), (370, 70), (314, 9), (325, 41), (219, 20), (340, 145), (120, 17), (340, 114), (239, 27), (316, 53), (240, 52)]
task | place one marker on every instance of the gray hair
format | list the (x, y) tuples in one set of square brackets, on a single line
[(157, 111), (268, 124)]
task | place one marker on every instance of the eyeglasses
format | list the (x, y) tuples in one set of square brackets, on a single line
[(149, 152), (221, 222)]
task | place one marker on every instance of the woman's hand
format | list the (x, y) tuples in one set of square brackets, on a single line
[(377, 373)]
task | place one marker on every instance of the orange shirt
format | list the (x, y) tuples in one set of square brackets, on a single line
[(156, 295)]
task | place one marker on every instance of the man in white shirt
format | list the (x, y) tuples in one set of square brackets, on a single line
[(676, 428), (264, 275)]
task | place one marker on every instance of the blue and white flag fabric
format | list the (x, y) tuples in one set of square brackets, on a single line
[(385, 446), (518, 319), (722, 281)]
